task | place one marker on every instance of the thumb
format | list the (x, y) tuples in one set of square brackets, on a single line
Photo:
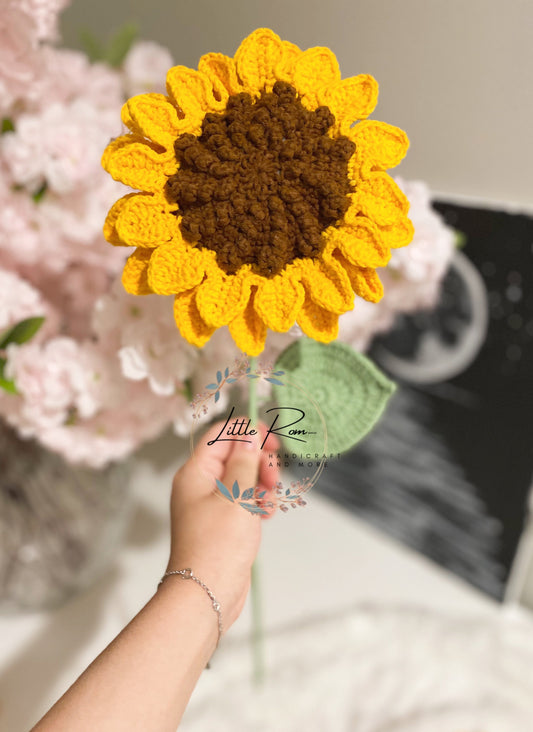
[(242, 464)]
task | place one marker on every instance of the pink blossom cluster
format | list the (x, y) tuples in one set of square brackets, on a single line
[(108, 371), (79, 392)]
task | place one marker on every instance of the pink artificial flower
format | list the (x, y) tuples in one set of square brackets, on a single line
[(359, 326), (60, 146), (65, 75), (20, 240), (73, 293), (51, 381), (413, 276), (113, 434), (45, 14), (19, 300), (145, 336), (145, 68), (19, 52)]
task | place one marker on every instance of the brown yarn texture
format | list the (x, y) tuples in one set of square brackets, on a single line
[(262, 181)]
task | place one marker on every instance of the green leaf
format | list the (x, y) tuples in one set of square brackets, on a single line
[(91, 45), (187, 389), (7, 125), (120, 44), (349, 391), (38, 195), (6, 384), (21, 332)]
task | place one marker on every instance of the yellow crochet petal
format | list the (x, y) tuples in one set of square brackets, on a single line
[(382, 145), (176, 266), (116, 144), (222, 297), (279, 299), (351, 99), (361, 242), (379, 198), (313, 69), (192, 93), (318, 323), (154, 117), (222, 73), (128, 121), (248, 330), (146, 220), (135, 163), (189, 320), (285, 66), (134, 276), (365, 280), (257, 58), (398, 234), (110, 230), (327, 284)]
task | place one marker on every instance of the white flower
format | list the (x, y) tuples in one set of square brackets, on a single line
[(60, 146), (145, 68), (149, 345)]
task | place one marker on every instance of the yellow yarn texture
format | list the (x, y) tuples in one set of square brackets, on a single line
[(310, 286)]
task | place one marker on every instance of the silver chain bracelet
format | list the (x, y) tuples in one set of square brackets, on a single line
[(189, 574)]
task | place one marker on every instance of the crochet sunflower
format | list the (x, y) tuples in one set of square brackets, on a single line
[(261, 203)]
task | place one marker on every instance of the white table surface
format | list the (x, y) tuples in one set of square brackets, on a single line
[(314, 561)]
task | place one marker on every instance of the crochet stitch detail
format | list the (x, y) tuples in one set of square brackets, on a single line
[(262, 182)]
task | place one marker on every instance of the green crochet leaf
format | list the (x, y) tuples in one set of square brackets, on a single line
[(350, 391)]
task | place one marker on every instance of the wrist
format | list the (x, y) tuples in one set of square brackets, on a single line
[(228, 583), (176, 594)]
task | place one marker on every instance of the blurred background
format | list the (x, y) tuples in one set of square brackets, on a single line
[(455, 75)]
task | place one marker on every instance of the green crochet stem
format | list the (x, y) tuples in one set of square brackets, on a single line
[(257, 616)]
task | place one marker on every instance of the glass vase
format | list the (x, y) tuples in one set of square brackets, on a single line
[(60, 524)]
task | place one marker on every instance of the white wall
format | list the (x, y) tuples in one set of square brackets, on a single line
[(457, 75)]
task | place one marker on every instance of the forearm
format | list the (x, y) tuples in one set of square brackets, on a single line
[(144, 678)]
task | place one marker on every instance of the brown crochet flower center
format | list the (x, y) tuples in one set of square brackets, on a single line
[(262, 181)]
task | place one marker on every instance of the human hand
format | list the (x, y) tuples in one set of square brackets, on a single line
[(218, 539)]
